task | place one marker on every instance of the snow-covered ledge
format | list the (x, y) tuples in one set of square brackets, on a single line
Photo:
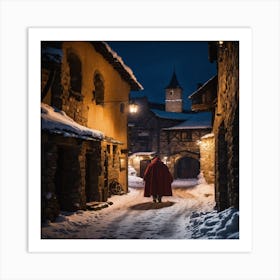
[(56, 121)]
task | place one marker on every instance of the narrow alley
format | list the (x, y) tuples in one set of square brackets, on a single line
[(131, 216)]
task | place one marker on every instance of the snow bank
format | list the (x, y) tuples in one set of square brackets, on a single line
[(215, 225), (131, 171), (184, 183), (57, 121), (201, 179), (133, 180), (204, 188)]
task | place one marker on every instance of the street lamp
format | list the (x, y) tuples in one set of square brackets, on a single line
[(133, 107)]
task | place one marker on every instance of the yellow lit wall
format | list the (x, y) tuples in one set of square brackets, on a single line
[(107, 117), (207, 157)]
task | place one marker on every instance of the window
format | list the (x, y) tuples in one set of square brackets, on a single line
[(109, 149), (99, 89), (75, 75), (122, 107), (114, 155)]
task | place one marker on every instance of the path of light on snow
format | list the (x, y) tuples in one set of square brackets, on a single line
[(132, 216)]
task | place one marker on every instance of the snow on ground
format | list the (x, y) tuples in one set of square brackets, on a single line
[(214, 225), (187, 214)]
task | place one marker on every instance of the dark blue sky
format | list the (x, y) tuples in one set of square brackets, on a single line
[(153, 63)]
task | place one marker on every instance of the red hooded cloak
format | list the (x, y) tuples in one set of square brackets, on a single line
[(157, 179)]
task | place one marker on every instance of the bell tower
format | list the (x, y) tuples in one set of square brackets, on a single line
[(173, 96)]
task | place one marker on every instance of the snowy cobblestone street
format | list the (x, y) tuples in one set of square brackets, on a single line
[(132, 216)]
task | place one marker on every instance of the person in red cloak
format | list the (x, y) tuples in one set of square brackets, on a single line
[(158, 180)]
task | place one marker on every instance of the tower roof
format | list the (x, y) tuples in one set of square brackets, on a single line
[(174, 82)]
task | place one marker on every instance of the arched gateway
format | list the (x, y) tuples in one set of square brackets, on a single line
[(186, 168)]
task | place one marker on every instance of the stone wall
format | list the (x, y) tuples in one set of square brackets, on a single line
[(72, 105), (226, 126), (108, 115), (112, 166), (75, 91), (161, 143), (49, 202), (176, 144), (78, 99), (145, 129), (141, 129), (207, 157), (65, 176)]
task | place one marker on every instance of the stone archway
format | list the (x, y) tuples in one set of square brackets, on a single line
[(186, 168)]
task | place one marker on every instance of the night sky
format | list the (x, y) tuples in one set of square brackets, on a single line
[(153, 64)]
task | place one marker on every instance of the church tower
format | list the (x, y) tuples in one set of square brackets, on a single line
[(173, 96)]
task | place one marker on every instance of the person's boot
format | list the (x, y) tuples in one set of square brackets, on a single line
[(154, 199), (159, 199)]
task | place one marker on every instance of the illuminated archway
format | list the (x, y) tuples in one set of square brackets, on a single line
[(186, 168)]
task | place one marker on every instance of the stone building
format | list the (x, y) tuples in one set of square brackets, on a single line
[(86, 86), (146, 125), (141, 133), (174, 96), (169, 131), (204, 99), (207, 157), (180, 145), (224, 101)]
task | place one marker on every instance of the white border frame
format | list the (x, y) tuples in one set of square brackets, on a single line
[(243, 35)]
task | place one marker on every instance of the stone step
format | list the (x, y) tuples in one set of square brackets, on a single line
[(95, 205)]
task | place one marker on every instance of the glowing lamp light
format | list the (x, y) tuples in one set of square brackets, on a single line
[(133, 108), (122, 163)]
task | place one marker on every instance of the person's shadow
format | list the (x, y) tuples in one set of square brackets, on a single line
[(151, 205)]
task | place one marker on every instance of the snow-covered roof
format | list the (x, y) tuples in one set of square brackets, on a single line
[(52, 51), (56, 121), (112, 140), (142, 154), (212, 79), (200, 120), (209, 135), (113, 58), (170, 115), (173, 82), (52, 54)]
